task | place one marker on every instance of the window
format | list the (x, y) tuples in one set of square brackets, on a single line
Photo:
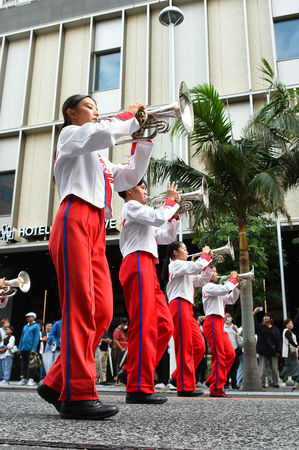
[(107, 71), (6, 192), (287, 39)]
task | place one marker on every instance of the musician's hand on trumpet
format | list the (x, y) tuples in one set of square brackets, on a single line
[(172, 192), (3, 283), (138, 109)]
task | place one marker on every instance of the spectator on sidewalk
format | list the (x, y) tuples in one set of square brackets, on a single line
[(9, 349), (289, 350), (54, 339), (232, 331), (4, 323), (27, 346), (120, 343), (268, 347), (45, 348)]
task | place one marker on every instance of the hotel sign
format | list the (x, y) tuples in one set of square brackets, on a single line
[(8, 234)]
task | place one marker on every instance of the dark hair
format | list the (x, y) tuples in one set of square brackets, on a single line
[(10, 327), (286, 321), (123, 194), (72, 103), (169, 254), (269, 315), (124, 320)]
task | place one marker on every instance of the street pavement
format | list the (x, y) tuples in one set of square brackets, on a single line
[(248, 420)]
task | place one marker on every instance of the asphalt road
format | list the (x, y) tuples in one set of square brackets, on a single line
[(241, 422)]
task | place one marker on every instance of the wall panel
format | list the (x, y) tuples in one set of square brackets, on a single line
[(228, 65), (75, 63), (36, 169), (43, 78), (14, 84)]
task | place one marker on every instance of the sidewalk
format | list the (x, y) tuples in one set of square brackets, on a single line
[(112, 389)]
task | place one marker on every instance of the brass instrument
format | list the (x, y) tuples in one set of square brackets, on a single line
[(186, 199), (154, 117), (22, 282), (217, 253), (242, 277)]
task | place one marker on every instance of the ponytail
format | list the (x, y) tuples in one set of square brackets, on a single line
[(169, 254)]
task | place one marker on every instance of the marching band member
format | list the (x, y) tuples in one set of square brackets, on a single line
[(182, 277), (85, 179), (214, 298), (150, 322)]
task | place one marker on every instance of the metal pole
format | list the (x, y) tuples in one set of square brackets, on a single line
[(283, 294)]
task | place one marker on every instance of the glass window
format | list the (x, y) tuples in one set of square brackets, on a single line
[(287, 38), (107, 71), (6, 192)]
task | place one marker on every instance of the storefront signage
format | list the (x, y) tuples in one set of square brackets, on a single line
[(8, 234)]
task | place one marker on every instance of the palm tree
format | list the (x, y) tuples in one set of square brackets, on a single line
[(248, 176)]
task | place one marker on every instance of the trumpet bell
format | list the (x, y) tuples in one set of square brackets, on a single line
[(22, 282), (186, 108)]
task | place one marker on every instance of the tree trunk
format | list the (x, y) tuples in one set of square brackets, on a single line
[(251, 378)]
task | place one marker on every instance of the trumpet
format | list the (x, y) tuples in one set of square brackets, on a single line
[(242, 277), (217, 253), (22, 282), (186, 199), (154, 117)]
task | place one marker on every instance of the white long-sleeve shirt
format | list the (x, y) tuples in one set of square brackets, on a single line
[(140, 227), (10, 345), (216, 296), (184, 276), (81, 169)]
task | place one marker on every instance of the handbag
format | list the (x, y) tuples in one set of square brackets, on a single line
[(34, 361), (239, 340)]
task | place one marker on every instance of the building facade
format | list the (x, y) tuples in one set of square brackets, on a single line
[(118, 52)]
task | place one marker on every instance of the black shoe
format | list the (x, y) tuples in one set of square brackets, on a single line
[(173, 382), (276, 386), (189, 393), (87, 410), (49, 394), (226, 386), (142, 397), (207, 384), (122, 376), (236, 388), (221, 396)]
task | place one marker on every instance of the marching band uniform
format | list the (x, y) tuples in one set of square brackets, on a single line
[(215, 297), (189, 344), (85, 180), (150, 322)]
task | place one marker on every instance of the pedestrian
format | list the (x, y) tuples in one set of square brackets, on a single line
[(4, 324), (232, 331), (289, 350), (268, 347), (181, 278), (120, 344), (150, 321), (214, 298), (103, 347), (9, 349), (28, 346), (45, 349), (54, 339), (85, 179)]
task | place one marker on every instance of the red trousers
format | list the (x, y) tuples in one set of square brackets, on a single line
[(150, 326), (77, 247), (189, 343), (223, 353)]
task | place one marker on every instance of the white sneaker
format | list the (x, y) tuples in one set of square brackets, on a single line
[(22, 382), (4, 382), (171, 387), (31, 382), (160, 386)]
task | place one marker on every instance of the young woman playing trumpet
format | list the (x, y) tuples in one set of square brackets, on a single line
[(182, 277)]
